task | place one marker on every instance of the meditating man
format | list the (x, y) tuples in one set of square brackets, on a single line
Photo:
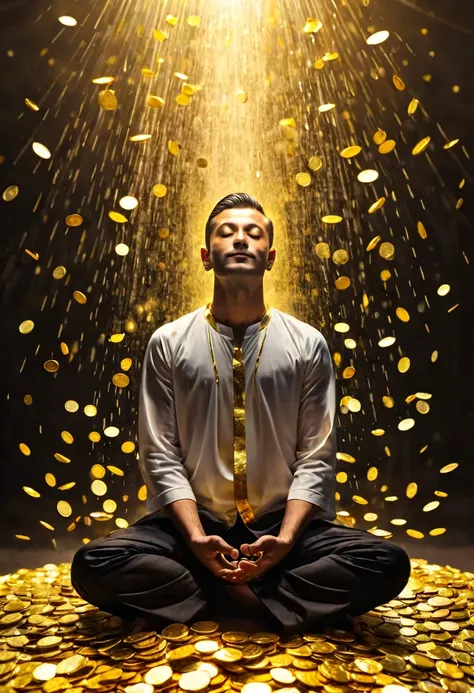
[(237, 449)]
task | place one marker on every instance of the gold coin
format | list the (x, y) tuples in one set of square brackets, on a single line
[(155, 101), (180, 653), (41, 150), (21, 681), (322, 250), (206, 646), (127, 447), (10, 193), (281, 675), (120, 380), (315, 163), (59, 683), (398, 82), (117, 217), (374, 243), (349, 152), (281, 660), (450, 670), (194, 680), (159, 190), (158, 676), (256, 687), (252, 651), (59, 272), (228, 654), (107, 99), (342, 283), (49, 641), (234, 637), (387, 146), (331, 219), (64, 509), (175, 631), (378, 204), (308, 678), (264, 638), (422, 661), (74, 220), (80, 297), (11, 619), (26, 326), (303, 179), (421, 146), (340, 257), (44, 672), (387, 251), (324, 647)]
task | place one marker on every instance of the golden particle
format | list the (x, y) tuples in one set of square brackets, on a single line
[(51, 366), (111, 431), (71, 406), (126, 364), (412, 106), (312, 26), (90, 410), (194, 20), (404, 364), (122, 249), (387, 146), (322, 251), (128, 202), (373, 243), (173, 147), (103, 80), (379, 136), (340, 256), (387, 251), (406, 424), (402, 314), (128, 447), (326, 106), (66, 20), (348, 372), (120, 380), (422, 407), (443, 290), (341, 327), (94, 436), (398, 82), (387, 342)]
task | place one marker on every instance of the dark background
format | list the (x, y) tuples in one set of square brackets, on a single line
[(450, 424)]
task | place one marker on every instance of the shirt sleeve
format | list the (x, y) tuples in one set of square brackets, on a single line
[(160, 457), (314, 469)]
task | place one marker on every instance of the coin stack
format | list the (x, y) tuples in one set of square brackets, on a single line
[(51, 640)]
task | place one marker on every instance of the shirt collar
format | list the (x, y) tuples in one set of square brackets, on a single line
[(227, 331)]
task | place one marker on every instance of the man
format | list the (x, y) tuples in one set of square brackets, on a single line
[(237, 449)]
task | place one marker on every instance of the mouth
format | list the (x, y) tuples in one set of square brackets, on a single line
[(238, 255)]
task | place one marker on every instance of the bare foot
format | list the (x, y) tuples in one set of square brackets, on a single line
[(242, 594)]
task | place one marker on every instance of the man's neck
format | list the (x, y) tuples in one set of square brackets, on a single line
[(237, 310)]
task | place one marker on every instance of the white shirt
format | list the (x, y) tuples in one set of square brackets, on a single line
[(186, 430)]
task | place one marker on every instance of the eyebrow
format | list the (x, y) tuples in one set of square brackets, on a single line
[(232, 225)]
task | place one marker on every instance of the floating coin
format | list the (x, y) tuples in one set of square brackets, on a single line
[(342, 283), (406, 424), (387, 251), (387, 146), (378, 204), (67, 20), (117, 217), (51, 366), (128, 202), (412, 106), (377, 37), (340, 257), (398, 82), (80, 297), (10, 193), (404, 364), (155, 101), (26, 326), (303, 179), (322, 250), (159, 190), (103, 80), (74, 220), (59, 272), (421, 146), (387, 341), (142, 137), (331, 219), (315, 163), (120, 380), (351, 151), (64, 509), (41, 150), (368, 176), (107, 100)]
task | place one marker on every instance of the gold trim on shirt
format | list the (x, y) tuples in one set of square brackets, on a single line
[(240, 452)]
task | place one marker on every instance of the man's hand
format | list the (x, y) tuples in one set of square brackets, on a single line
[(210, 550), (272, 550)]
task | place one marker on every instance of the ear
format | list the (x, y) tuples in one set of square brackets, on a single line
[(271, 258), (206, 258)]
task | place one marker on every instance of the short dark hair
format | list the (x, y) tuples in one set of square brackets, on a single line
[(230, 202)]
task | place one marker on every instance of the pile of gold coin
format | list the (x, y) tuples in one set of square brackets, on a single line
[(52, 640)]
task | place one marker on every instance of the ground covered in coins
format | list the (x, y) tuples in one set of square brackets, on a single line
[(52, 640)]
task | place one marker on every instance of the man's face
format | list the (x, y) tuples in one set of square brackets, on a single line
[(243, 231)]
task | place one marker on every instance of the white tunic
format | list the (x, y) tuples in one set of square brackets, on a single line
[(186, 429)]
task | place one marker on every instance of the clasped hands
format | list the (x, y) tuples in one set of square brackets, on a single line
[(226, 562)]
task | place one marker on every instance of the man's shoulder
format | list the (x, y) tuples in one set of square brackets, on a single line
[(300, 328), (172, 330)]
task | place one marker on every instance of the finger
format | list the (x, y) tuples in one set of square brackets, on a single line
[(220, 561), (223, 547), (249, 567)]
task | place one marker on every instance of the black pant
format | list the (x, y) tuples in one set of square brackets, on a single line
[(148, 570)]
